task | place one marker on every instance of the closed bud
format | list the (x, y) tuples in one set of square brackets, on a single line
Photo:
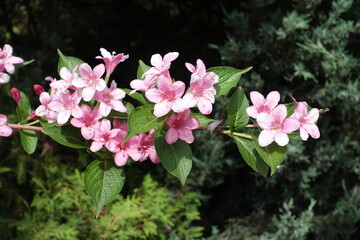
[(38, 89), (33, 116), (15, 94)]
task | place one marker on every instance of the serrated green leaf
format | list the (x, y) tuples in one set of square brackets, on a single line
[(136, 95), (251, 156), (202, 119), (67, 61), (228, 78), (65, 135), (143, 120), (29, 140), (272, 154), (142, 69), (176, 158), (103, 182), (237, 116)]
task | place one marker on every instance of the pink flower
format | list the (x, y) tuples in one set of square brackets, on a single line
[(307, 120), (103, 134), (160, 67), (65, 106), (44, 109), (91, 80), (4, 78), (8, 59), (110, 98), (67, 78), (111, 60), (5, 130), (262, 105), (142, 147), (120, 149), (181, 125), (276, 126), (167, 96), (87, 121), (202, 89)]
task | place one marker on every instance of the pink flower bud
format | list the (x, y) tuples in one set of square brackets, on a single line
[(38, 89), (33, 116), (15, 94)]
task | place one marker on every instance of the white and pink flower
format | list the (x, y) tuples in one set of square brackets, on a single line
[(261, 104), (110, 98), (5, 130), (87, 121), (111, 60)]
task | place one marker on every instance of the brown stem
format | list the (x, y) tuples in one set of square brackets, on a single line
[(17, 126)]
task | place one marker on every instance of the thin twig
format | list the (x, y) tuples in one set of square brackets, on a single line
[(18, 126)]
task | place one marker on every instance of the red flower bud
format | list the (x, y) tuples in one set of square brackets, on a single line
[(38, 89), (33, 116), (15, 94)]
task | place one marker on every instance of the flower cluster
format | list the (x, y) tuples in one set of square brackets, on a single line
[(7, 61), (272, 119), (168, 95)]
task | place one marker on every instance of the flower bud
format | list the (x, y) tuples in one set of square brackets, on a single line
[(38, 89), (33, 116), (15, 94)]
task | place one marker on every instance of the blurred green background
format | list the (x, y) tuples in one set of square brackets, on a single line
[(308, 49)]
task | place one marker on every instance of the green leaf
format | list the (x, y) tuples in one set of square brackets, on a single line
[(67, 61), (136, 95), (142, 69), (237, 116), (203, 120), (228, 78), (24, 110), (29, 140), (65, 135), (103, 182), (272, 154), (290, 108), (143, 120), (176, 158), (251, 156)]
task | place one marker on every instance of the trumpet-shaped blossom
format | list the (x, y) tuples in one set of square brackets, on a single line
[(9, 60), (201, 91), (160, 67), (65, 106), (44, 109), (4, 78), (142, 147), (110, 98), (87, 121), (5, 130), (111, 60), (167, 96), (103, 134), (307, 120), (181, 126), (276, 126), (67, 78), (261, 104), (90, 80), (120, 149)]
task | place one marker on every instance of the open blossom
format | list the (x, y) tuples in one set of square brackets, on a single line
[(201, 91), (87, 121), (167, 96), (67, 78), (142, 147), (120, 149), (4, 78), (65, 106), (111, 60), (90, 80), (8, 60), (307, 120), (276, 126), (181, 126), (44, 109), (5, 130), (261, 104), (110, 98), (103, 134), (160, 67)]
